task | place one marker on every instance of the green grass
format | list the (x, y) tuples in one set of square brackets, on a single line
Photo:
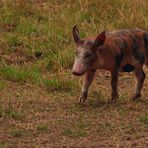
[(2, 144), (60, 84), (22, 75), (66, 58), (13, 41), (144, 119), (19, 75), (3, 85), (14, 114), (82, 125), (27, 28), (16, 132), (42, 127), (73, 133)]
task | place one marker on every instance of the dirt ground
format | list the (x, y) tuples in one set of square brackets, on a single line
[(33, 117)]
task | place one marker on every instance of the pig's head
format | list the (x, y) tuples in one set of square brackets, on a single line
[(85, 52)]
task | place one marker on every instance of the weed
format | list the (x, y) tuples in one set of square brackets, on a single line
[(16, 132), (65, 58), (68, 132), (19, 75), (42, 127), (144, 119), (60, 84), (9, 19), (82, 125), (74, 134), (14, 114), (2, 144), (26, 28), (12, 74), (2, 85), (13, 41)]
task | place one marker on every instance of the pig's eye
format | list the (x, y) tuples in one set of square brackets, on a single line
[(76, 53), (87, 55)]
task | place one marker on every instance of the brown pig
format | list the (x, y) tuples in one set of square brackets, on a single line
[(118, 51)]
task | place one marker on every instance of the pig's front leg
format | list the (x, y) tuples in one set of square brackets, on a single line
[(87, 80)]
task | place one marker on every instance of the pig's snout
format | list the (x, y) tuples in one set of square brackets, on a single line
[(78, 69), (76, 73)]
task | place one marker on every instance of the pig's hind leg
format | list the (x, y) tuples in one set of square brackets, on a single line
[(140, 75), (114, 84)]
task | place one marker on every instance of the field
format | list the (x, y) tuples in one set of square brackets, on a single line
[(38, 93)]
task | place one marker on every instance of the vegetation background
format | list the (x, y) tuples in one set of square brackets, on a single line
[(37, 90)]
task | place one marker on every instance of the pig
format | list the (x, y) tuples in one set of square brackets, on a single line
[(118, 51)]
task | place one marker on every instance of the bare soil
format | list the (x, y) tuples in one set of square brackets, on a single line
[(64, 123)]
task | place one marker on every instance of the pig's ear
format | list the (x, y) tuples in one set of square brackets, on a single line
[(76, 35), (100, 39)]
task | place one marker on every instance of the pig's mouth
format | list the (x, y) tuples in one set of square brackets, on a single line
[(77, 73)]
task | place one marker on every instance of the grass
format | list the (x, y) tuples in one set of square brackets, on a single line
[(60, 85), (2, 144), (21, 75), (11, 112), (105, 129), (3, 85), (18, 75), (13, 41), (1, 113), (144, 119), (37, 89), (42, 127), (14, 114), (82, 125), (16, 132), (74, 134)]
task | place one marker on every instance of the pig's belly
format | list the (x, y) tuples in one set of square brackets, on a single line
[(127, 68)]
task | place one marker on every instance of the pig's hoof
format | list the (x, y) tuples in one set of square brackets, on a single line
[(81, 100), (136, 97), (113, 100), (114, 97)]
